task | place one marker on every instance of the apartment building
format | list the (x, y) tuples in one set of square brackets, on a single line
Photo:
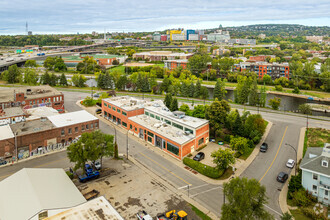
[(275, 70), (161, 55), (172, 132), (172, 64)]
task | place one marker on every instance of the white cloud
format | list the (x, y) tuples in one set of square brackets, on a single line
[(148, 15)]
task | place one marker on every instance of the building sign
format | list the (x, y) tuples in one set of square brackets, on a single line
[(12, 120)]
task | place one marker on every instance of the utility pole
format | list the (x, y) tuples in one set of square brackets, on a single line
[(16, 148), (127, 144)]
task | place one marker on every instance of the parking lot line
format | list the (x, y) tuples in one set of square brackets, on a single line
[(165, 168), (278, 150)]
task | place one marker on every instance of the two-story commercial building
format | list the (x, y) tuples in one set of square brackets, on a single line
[(173, 132), (316, 172)]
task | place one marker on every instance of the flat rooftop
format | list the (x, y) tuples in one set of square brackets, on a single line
[(186, 120), (5, 132), (7, 94), (33, 126), (162, 129), (12, 112), (39, 112), (126, 102), (96, 209), (71, 118)]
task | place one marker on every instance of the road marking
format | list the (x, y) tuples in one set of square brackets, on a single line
[(273, 210), (278, 150), (165, 168), (4, 176), (218, 187), (190, 188)]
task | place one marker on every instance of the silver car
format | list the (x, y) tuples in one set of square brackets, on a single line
[(290, 163)]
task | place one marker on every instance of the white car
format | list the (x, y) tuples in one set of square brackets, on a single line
[(290, 163), (98, 165)]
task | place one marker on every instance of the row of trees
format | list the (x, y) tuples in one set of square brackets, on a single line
[(55, 63)]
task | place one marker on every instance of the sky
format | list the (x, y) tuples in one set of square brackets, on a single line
[(85, 16)]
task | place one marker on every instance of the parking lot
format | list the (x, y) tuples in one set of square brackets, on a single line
[(129, 189)]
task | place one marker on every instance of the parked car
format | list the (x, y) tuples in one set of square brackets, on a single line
[(96, 95), (98, 111), (88, 168), (264, 147), (200, 156), (282, 177), (290, 163), (97, 165), (3, 162)]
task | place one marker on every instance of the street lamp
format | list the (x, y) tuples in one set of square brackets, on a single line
[(295, 170), (127, 145)]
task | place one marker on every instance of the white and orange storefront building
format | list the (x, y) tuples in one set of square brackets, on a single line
[(172, 132)]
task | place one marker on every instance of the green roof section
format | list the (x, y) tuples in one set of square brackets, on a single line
[(72, 58), (102, 56)]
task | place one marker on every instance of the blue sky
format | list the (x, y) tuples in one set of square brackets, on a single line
[(85, 16)]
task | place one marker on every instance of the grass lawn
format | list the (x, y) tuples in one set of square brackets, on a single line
[(297, 214), (316, 137), (201, 214), (227, 173)]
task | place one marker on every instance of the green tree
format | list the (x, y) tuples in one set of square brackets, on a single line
[(263, 96), (204, 93), (157, 71), (220, 90), (238, 127), (245, 200), (305, 109), (121, 83), (239, 144), (199, 111), (267, 79), (130, 53), (49, 63), (254, 95), (30, 63), (217, 113), (78, 155), (191, 90), (243, 89), (174, 105), (198, 63), (59, 65), (12, 75), (286, 216), (53, 80), (79, 80), (63, 80), (185, 108), (275, 103), (223, 158), (45, 78), (30, 76), (197, 91), (254, 127), (168, 100)]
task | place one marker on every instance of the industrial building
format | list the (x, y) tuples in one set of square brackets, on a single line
[(44, 134), (31, 97), (172, 132), (101, 59)]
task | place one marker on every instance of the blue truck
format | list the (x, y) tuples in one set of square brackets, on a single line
[(88, 176), (41, 54)]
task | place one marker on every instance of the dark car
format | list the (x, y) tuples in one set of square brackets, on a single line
[(3, 162), (98, 111), (282, 177), (200, 156), (263, 147)]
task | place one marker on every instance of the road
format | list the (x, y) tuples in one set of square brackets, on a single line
[(286, 129)]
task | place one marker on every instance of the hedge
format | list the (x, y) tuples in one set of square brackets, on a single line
[(206, 170)]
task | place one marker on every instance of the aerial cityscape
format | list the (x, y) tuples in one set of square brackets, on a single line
[(164, 110)]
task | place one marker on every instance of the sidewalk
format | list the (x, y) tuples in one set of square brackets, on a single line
[(283, 195), (239, 169)]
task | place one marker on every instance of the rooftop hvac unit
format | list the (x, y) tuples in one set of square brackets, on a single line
[(186, 133)]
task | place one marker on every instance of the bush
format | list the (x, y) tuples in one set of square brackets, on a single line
[(296, 90), (309, 212), (200, 148), (69, 174), (206, 170), (301, 198), (294, 185), (88, 101), (227, 138), (279, 88)]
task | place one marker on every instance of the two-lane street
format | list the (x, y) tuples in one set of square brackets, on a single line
[(264, 168)]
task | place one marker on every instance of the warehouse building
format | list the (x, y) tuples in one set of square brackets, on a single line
[(30, 97), (45, 134), (161, 55), (172, 132)]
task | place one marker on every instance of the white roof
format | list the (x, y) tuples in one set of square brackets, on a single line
[(71, 118), (96, 209), (31, 190), (5, 132), (39, 112)]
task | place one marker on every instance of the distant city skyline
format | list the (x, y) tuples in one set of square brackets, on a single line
[(59, 16)]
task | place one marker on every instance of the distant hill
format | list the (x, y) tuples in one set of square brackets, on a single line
[(275, 29)]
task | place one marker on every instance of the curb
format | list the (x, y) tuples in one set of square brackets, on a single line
[(283, 195)]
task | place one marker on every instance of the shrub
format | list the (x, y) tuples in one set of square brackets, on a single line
[(206, 170), (275, 103), (88, 101), (309, 212), (200, 148), (279, 88), (294, 185), (301, 198), (296, 90), (227, 138)]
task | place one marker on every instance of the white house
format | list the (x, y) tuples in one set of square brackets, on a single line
[(316, 172)]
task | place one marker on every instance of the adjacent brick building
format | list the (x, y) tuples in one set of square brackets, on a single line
[(275, 70), (173, 64), (31, 96), (45, 134), (173, 132)]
